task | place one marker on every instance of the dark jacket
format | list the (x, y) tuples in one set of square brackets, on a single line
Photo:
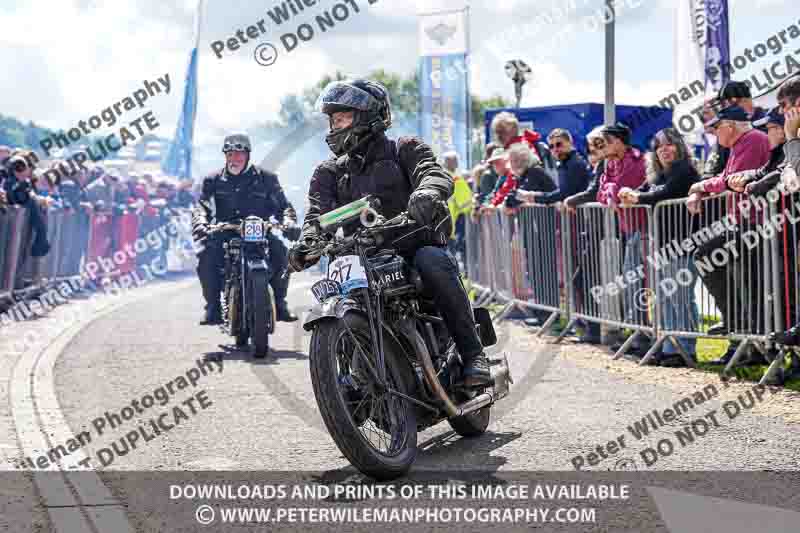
[(254, 192), (671, 184), (574, 175), (674, 183), (590, 194), (487, 185), (388, 169), (768, 176), (535, 179)]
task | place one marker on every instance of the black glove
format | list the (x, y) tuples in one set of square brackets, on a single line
[(298, 257), (292, 233), (290, 228), (426, 208)]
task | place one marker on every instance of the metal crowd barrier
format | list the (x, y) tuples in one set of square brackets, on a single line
[(721, 259), (663, 272), (610, 279), (12, 222), (526, 274), (98, 246)]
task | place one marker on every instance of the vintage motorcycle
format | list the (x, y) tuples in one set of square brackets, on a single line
[(248, 304), (383, 365)]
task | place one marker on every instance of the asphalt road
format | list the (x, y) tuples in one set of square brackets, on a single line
[(253, 415)]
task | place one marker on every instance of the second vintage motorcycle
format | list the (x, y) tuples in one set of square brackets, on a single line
[(248, 304)]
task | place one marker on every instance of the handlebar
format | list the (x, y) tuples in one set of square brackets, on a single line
[(236, 226), (366, 235)]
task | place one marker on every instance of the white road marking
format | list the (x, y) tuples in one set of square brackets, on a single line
[(40, 425)]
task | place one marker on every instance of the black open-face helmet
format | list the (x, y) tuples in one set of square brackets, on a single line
[(238, 142), (370, 103)]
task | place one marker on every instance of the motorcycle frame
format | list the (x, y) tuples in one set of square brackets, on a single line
[(246, 263)]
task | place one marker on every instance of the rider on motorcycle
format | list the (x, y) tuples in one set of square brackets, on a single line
[(404, 175), (239, 190)]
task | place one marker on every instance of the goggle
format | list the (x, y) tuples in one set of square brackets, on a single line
[(235, 147)]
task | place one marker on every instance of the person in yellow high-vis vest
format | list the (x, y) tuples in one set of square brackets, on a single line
[(460, 204)]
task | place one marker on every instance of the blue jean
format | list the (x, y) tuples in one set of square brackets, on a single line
[(634, 297), (676, 301)]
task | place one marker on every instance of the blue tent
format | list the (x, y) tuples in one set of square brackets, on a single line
[(580, 119)]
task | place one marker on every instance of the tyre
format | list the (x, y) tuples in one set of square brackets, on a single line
[(375, 430), (472, 424), (261, 315), (234, 319)]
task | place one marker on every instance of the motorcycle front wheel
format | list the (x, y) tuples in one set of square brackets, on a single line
[(375, 429), (261, 309)]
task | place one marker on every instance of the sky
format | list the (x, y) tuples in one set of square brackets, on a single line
[(65, 61)]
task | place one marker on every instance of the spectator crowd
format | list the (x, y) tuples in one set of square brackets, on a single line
[(752, 151), (43, 187)]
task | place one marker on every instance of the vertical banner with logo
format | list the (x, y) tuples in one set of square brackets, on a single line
[(718, 56), (444, 82), (691, 38)]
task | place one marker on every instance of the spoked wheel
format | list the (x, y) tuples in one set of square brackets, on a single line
[(261, 312), (375, 429)]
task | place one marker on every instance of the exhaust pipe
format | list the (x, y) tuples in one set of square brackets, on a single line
[(498, 368), (427, 368), (481, 400), (501, 377)]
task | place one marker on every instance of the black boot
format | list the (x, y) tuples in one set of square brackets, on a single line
[(213, 316), (476, 371), (284, 314), (790, 337)]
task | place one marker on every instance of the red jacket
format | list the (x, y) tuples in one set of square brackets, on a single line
[(629, 172), (529, 137), (510, 184)]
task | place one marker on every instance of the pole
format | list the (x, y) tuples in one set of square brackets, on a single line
[(610, 109), (467, 60)]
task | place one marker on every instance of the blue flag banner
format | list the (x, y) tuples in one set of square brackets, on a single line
[(444, 104), (444, 82), (718, 55), (179, 158)]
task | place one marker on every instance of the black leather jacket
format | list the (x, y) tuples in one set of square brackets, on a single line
[(253, 192), (388, 169)]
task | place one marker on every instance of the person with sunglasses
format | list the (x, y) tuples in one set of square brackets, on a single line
[(239, 190), (574, 173)]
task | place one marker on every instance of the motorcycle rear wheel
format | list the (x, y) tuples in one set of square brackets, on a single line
[(390, 421)]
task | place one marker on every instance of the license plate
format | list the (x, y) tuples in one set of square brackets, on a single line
[(324, 289), (348, 272), (253, 231)]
